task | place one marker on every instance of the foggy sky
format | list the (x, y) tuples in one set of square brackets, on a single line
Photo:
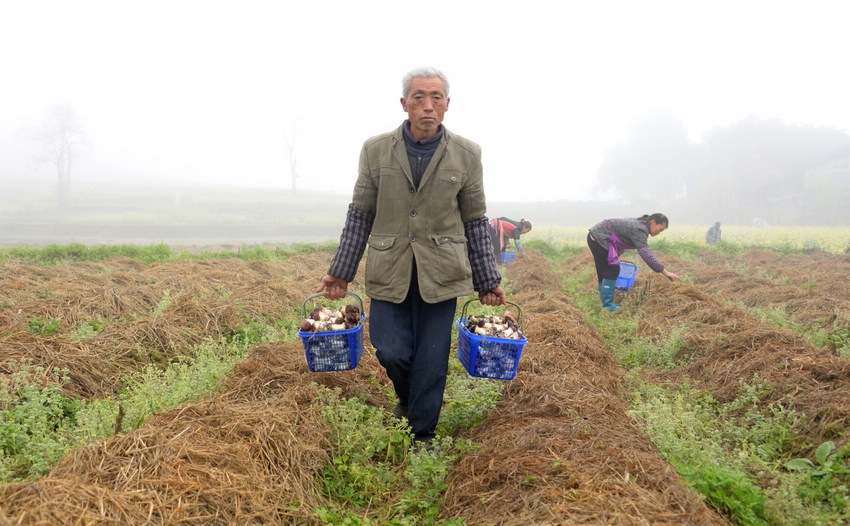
[(199, 92)]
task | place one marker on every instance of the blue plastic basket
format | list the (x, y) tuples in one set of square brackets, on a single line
[(627, 276), (488, 357), (333, 350), (508, 257)]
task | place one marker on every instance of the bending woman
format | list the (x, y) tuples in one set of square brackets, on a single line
[(503, 230), (610, 238)]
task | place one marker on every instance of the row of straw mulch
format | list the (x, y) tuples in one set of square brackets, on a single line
[(729, 346), (249, 455), (149, 313), (559, 449), (823, 305), (822, 271)]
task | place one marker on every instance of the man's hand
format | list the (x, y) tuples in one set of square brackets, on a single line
[(493, 298), (333, 286)]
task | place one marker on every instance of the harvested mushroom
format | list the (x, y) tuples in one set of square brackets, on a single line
[(324, 319)]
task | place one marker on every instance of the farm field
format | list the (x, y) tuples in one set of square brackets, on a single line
[(569, 441)]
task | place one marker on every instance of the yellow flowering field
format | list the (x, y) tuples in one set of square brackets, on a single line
[(829, 239)]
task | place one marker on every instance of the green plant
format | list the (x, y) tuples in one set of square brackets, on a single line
[(828, 478), (186, 380), (87, 329), (685, 425), (256, 331), (644, 352), (166, 301), (426, 473), (467, 401), (44, 326), (375, 475), (36, 420), (363, 449)]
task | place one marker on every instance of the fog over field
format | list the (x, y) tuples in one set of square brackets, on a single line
[(199, 113)]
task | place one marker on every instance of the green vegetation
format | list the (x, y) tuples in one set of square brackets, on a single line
[(738, 455), (87, 329), (42, 326), (38, 423), (836, 339), (376, 476), (736, 238), (159, 252)]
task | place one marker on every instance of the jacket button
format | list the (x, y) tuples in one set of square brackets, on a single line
[(413, 238), (413, 213), (410, 189), (454, 179)]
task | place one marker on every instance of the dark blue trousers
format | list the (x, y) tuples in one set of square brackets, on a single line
[(412, 340)]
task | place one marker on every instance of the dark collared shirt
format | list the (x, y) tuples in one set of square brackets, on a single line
[(420, 151)]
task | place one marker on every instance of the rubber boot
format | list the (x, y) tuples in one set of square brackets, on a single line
[(606, 291)]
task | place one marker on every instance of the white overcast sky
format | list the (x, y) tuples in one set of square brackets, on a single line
[(204, 92)]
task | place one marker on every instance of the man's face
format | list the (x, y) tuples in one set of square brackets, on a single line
[(426, 103)]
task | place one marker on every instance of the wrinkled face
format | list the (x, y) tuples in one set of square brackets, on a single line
[(426, 103), (656, 228)]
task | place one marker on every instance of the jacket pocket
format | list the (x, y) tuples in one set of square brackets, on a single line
[(452, 258), (380, 262)]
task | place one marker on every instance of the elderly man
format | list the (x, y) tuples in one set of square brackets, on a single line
[(419, 204)]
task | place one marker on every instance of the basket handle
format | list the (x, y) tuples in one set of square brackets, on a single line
[(347, 293), (519, 310)]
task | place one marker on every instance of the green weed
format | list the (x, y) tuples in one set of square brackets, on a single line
[(38, 423), (827, 479), (375, 475), (36, 420), (44, 326), (467, 401), (87, 329)]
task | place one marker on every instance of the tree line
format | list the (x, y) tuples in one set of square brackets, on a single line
[(752, 171)]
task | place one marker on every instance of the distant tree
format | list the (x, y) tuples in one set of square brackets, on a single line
[(61, 136), (291, 147), (653, 165), (755, 168)]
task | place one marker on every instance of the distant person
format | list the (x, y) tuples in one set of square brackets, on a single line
[(712, 237), (418, 204), (610, 238), (503, 230)]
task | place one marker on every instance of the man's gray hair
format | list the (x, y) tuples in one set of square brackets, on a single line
[(419, 73)]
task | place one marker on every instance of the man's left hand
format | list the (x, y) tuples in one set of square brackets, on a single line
[(493, 298)]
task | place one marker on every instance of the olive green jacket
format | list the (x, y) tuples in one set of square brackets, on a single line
[(424, 223)]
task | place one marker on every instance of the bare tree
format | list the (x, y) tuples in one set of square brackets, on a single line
[(293, 151), (61, 136)]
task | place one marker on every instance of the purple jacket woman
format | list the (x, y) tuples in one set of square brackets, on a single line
[(608, 239)]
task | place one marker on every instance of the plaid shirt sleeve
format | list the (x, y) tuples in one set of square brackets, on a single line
[(485, 275), (352, 244)]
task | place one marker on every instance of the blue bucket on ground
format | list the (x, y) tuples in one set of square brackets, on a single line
[(627, 276), (508, 257), (333, 350)]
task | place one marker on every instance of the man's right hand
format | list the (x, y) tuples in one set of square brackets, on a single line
[(333, 286)]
